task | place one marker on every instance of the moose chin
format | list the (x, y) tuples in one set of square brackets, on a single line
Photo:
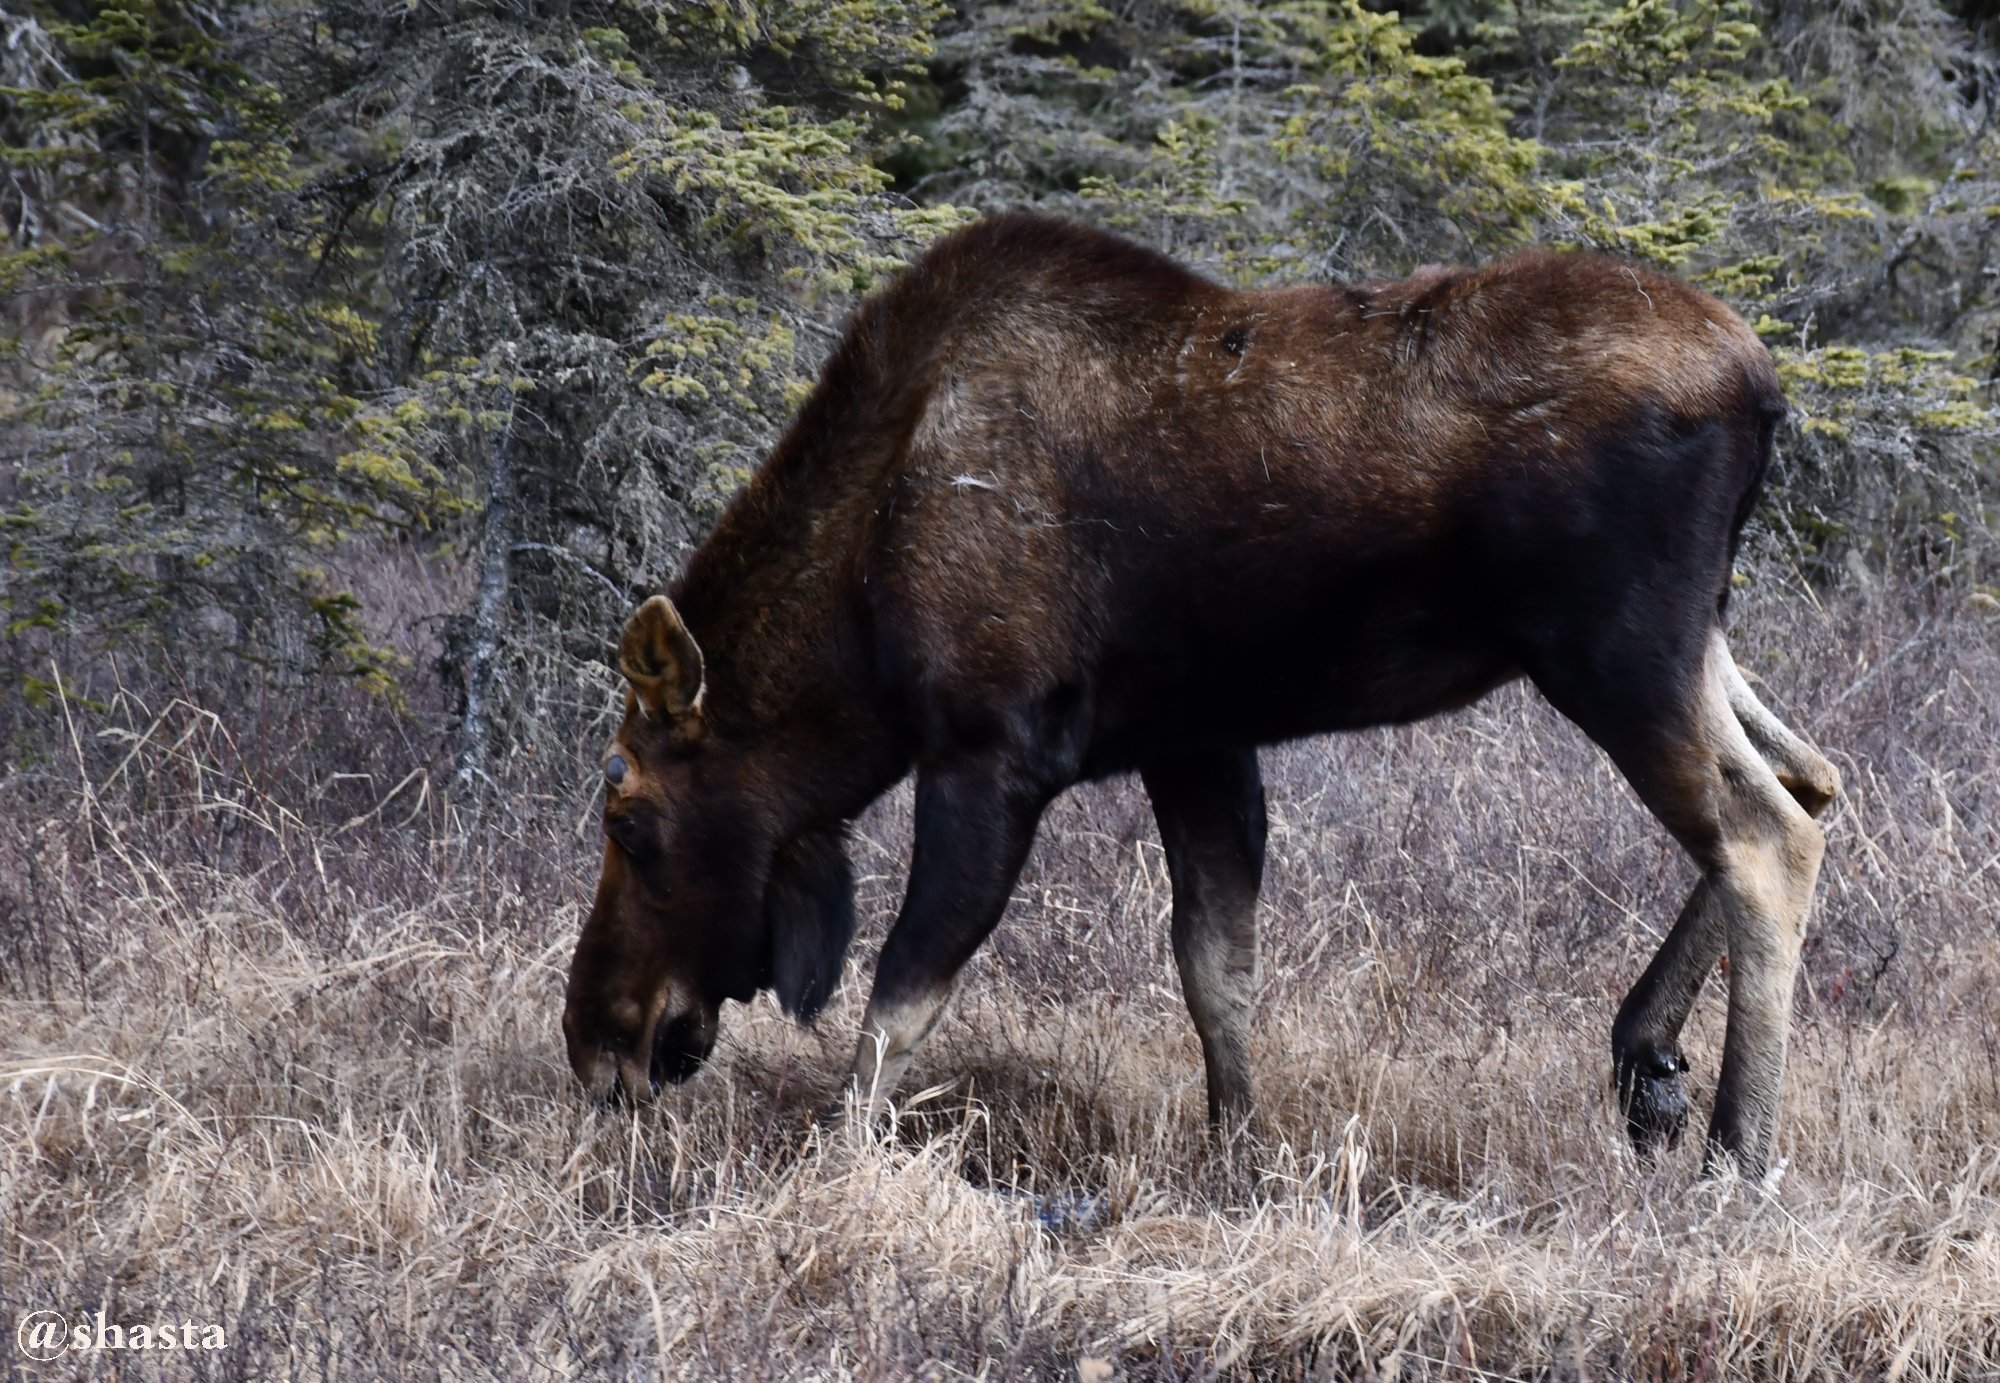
[(1060, 508)]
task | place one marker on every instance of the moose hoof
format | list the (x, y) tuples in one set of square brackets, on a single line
[(1652, 1088)]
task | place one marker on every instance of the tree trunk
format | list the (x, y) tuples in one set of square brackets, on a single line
[(488, 618)]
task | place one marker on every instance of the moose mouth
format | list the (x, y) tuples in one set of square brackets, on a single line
[(681, 1045)]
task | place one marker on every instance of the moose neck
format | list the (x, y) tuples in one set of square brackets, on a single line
[(772, 599), (777, 594)]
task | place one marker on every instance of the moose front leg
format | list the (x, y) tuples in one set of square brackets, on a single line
[(1210, 808), (974, 823)]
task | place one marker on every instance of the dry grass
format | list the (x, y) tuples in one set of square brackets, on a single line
[(306, 1082)]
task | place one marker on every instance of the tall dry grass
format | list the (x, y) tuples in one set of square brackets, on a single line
[(289, 1063)]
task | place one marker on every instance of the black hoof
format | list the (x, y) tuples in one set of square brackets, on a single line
[(1652, 1090)]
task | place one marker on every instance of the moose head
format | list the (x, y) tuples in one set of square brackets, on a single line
[(710, 890)]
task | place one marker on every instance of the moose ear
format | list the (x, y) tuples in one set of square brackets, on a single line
[(809, 907), (660, 659)]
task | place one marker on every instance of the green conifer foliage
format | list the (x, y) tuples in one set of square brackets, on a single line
[(521, 292)]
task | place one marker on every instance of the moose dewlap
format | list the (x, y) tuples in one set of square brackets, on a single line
[(1060, 508)]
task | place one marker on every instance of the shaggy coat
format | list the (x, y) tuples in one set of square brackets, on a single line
[(1060, 508)]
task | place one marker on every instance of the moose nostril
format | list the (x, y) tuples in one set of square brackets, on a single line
[(615, 769), (679, 1049)]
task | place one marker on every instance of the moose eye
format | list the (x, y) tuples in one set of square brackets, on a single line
[(626, 832)]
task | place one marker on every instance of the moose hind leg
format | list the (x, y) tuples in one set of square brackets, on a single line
[(1768, 866), (1760, 851), (1662, 703), (1801, 770), (975, 821), (1650, 1067), (1210, 809)]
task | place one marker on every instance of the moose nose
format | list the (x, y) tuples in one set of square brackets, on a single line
[(596, 1066), (614, 1076)]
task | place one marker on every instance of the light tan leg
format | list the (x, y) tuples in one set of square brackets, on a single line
[(1762, 865), (1645, 1038), (1767, 871), (1804, 772)]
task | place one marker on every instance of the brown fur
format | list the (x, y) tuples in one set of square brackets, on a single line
[(1060, 508)]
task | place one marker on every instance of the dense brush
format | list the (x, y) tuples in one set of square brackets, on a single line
[(307, 1082)]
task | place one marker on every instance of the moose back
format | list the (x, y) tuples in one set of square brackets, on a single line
[(1060, 508)]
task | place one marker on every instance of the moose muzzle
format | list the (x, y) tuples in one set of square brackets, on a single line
[(672, 1048)]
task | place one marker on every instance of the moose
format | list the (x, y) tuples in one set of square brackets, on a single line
[(1060, 508)]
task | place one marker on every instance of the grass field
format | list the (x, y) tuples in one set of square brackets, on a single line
[(301, 1077)]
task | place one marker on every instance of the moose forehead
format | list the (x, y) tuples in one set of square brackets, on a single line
[(639, 742)]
